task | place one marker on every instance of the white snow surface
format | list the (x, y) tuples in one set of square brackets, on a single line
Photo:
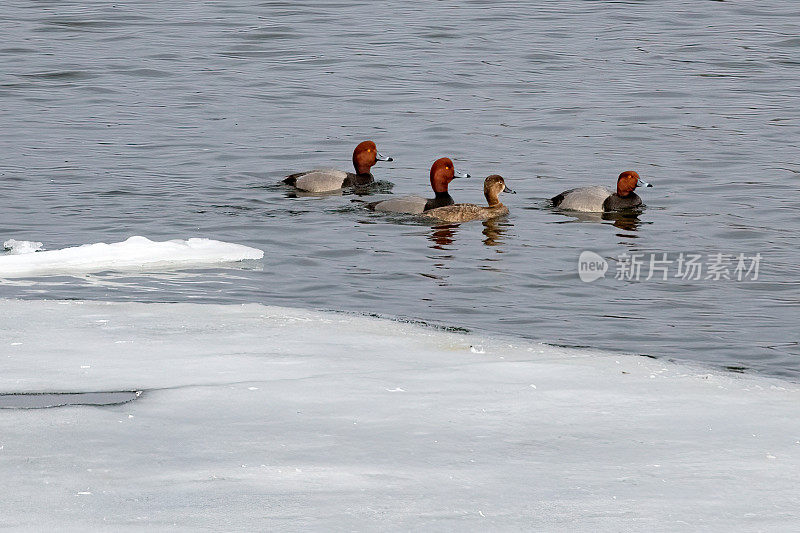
[(260, 418), (134, 253)]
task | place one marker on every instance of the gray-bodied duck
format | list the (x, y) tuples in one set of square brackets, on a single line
[(599, 199), (442, 173), (328, 179)]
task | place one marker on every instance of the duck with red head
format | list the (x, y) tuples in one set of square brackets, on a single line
[(442, 173), (327, 179), (600, 199)]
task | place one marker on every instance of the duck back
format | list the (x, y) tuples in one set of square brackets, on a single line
[(407, 204), (466, 212), (319, 180), (583, 199)]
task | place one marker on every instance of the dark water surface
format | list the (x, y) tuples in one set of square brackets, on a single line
[(172, 120), (46, 400)]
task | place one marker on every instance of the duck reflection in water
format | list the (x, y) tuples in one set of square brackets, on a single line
[(444, 235), (624, 220), (494, 232), (297, 193)]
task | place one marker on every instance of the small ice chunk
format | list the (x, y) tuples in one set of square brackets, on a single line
[(134, 253), (15, 247)]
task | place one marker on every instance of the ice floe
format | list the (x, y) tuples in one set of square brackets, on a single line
[(134, 253), (266, 418)]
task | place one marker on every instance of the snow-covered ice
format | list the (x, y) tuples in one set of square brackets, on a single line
[(265, 418), (134, 253)]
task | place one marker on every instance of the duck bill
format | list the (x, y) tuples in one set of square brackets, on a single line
[(459, 174), (381, 157), (642, 183), (509, 190)]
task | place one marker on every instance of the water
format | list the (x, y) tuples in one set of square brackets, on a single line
[(47, 400), (171, 120)]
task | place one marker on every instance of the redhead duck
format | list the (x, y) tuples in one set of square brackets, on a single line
[(327, 179), (598, 199), (442, 173), (492, 187)]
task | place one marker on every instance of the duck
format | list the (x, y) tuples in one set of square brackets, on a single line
[(492, 187), (442, 173), (599, 199), (328, 179)]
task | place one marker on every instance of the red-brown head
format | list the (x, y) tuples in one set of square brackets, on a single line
[(628, 181), (492, 187), (442, 173), (365, 156)]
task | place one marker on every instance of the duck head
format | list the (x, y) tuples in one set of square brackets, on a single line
[(628, 181), (492, 187), (365, 156), (442, 173)]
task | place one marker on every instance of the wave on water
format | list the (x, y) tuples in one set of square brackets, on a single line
[(136, 252)]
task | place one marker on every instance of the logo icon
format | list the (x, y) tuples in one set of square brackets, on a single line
[(591, 266)]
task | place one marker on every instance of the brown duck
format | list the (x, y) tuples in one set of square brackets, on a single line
[(492, 187)]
